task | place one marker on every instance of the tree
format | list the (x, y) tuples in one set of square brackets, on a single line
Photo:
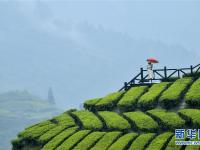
[(51, 98)]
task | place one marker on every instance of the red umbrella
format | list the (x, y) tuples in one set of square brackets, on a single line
[(152, 60)]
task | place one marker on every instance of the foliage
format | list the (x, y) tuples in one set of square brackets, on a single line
[(106, 140), (192, 116), (90, 104), (142, 141), (109, 101), (167, 120), (172, 96), (89, 140), (114, 120), (172, 146), (51, 133), (192, 97), (58, 139), (160, 141), (64, 119), (130, 98), (88, 119), (142, 121), (123, 142), (149, 99), (73, 140)]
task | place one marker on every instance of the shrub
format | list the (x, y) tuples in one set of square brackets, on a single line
[(172, 146), (64, 119), (90, 104), (57, 140), (192, 97), (168, 120), (114, 120), (106, 140), (142, 121), (130, 98), (142, 141), (109, 101), (123, 142), (70, 142), (88, 119), (192, 116), (150, 99), (89, 141), (50, 134), (160, 141), (172, 96)]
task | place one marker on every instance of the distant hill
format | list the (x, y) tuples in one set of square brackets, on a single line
[(19, 109)]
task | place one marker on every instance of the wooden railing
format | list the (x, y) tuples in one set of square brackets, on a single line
[(160, 75)]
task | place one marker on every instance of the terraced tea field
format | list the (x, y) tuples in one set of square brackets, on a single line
[(144, 117)]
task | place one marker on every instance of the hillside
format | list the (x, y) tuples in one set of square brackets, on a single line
[(19, 109), (144, 117)]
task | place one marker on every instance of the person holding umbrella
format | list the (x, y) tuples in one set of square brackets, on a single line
[(150, 62)]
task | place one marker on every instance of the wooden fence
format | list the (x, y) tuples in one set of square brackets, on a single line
[(160, 75)]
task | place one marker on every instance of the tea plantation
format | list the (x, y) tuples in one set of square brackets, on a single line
[(143, 117)]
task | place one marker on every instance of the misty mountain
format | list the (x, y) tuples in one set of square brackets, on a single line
[(77, 59)]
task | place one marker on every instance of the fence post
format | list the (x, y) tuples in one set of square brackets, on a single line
[(142, 75), (191, 68), (125, 86), (165, 72)]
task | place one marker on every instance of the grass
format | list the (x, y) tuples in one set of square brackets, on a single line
[(142, 141), (108, 102), (106, 140), (171, 145), (123, 142), (192, 116), (64, 119), (89, 141), (90, 104), (130, 98), (172, 96), (142, 121), (160, 141), (73, 140), (88, 120), (150, 99), (167, 120), (192, 97), (50, 134), (58, 139), (114, 121)]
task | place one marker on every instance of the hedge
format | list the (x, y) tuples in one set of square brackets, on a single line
[(108, 102), (160, 141), (114, 121), (172, 96), (64, 119), (88, 119), (150, 99), (192, 116), (130, 98), (43, 123), (89, 141), (73, 140), (51, 133), (192, 97), (141, 142), (172, 146), (167, 120), (141, 121), (106, 140), (57, 140), (123, 142), (90, 104)]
